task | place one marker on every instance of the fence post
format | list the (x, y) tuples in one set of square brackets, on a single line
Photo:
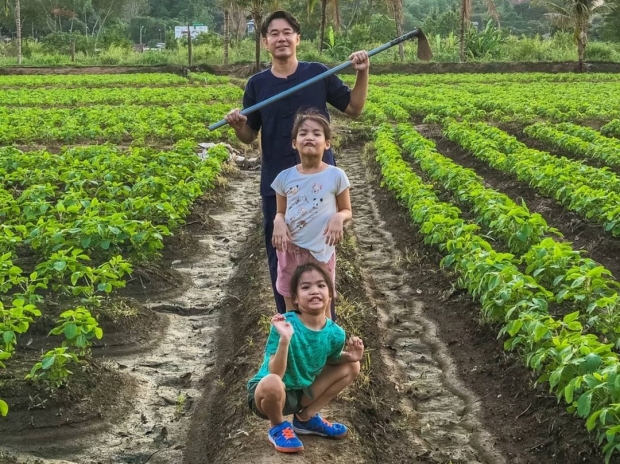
[(189, 45)]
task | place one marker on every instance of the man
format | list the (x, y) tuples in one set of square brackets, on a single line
[(280, 34)]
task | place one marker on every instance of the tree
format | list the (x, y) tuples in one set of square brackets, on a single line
[(397, 10), (611, 26), (576, 15), (226, 34), (257, 9), (16, 7), (335, 4), (466, 11)]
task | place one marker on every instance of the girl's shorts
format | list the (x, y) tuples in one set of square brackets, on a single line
[(292, 405), (291, 259)]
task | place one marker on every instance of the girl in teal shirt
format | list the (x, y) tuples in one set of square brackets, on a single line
[(308, 361)]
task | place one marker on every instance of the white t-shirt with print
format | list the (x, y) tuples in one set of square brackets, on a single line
[(310, 204)]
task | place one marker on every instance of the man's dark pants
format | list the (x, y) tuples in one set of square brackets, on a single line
[(269, 214)]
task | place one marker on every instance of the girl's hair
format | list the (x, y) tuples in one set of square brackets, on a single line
[(308, 267), (312, 115)]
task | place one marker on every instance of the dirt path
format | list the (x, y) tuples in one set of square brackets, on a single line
[(443, 410), (170, 376)]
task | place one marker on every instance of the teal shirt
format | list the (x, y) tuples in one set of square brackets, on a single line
[(308, 352)]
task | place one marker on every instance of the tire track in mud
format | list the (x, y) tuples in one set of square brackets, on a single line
[(444, 411), (170, 376)]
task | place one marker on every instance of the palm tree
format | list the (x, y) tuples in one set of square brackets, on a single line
[(576, 15), (466, 9)]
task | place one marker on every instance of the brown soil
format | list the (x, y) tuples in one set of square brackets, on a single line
[(224, 429)]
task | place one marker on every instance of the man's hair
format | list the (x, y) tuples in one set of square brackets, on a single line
[(280, 14), (312, 115), (308, 267)]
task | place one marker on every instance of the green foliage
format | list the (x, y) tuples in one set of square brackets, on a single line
[(610, 29), (171, 43), (600, 51), (116, 34), (578, 368), (484, 44), (152, 58), (442, 22), (52, 369), (338, 48), (60, 42), (114, 55), (79, 328), (210, 39), (74, 212)]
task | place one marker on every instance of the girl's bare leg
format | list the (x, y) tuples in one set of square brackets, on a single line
[(270, 396), (331, 381)]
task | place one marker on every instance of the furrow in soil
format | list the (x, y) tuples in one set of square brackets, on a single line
[(444, 411), (170, 377)]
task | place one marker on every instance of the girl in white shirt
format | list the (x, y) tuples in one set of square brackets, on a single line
[(313, 205)]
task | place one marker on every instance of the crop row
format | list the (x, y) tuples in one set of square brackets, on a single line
[(570, 277), (83, 218), (592, 193), (120, 95), (612, 129), (578, 140), (578, 368), (112, 123), (431, 80), (509, 102), (106, 80)]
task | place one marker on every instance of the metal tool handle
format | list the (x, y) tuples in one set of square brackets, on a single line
[(329, 72)]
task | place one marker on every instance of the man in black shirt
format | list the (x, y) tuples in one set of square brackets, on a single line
[(280, 35)]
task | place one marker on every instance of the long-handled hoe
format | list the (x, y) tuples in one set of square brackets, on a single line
[(424, 53)]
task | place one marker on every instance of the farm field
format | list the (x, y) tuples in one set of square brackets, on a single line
[(480, 270)]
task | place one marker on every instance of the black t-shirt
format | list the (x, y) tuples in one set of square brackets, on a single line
[(275, 121)]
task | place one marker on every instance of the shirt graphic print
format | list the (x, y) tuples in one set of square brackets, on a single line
[(310, 204)]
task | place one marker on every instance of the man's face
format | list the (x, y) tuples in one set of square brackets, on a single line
[(281, 40)]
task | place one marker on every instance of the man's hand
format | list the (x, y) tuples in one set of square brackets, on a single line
[(360, 60), (236, 120), (353, 350), (283, 327)]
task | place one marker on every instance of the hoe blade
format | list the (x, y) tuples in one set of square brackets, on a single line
[(424, 49)]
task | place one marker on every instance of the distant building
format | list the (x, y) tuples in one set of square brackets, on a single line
[(180, 32), (250, 27)]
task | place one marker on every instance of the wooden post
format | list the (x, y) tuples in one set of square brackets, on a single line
[(18, 25), (226, 35), (189, 46), (73, 51)]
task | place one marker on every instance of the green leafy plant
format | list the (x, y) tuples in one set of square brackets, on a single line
[(79, 327), (53, 367)]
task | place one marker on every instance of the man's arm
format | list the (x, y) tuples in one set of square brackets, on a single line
[(359, 92), (238, 122)]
